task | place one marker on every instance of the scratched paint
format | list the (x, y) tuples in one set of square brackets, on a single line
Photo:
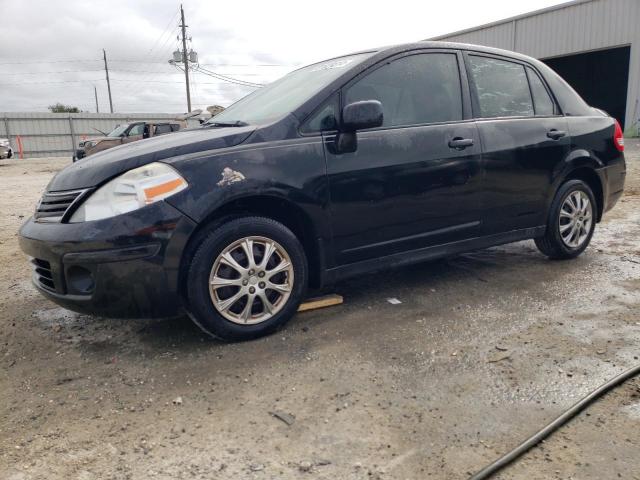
[(230, 176)]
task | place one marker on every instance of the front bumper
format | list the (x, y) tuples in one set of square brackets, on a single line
[(125, 266), (80, 153)]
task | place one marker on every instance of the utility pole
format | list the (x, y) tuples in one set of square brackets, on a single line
[(185, 59), (106, 70), (95, 92)]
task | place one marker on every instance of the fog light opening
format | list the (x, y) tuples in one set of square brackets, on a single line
[(80, 279)]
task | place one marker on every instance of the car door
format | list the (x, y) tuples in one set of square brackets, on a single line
[(134, 133), (524, 138), (416, 180)]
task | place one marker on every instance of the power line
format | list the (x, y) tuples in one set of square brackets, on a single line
[(33, 62), (247, 65), (162, 52), (48, 61), (171, 20), (92, 70), (121, 80), (47, 83), (59, 71), (228, 79)]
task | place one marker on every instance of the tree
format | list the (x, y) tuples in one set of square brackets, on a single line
[(61, 108)]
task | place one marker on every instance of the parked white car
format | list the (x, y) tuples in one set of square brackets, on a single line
[(5, 148)]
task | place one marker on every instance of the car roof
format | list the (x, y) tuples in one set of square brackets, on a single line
[(448, 45), (376, 53)]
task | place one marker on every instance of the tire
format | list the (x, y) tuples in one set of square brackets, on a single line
[(205, 301), (563, 245)]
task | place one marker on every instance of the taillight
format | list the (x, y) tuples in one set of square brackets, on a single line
[(618, 138)]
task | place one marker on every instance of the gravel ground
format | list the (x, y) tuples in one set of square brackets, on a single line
[(483, 350)]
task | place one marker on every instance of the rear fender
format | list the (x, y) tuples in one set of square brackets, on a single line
[(579, 164)]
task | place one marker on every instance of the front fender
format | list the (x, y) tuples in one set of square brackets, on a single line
[(292, 170)]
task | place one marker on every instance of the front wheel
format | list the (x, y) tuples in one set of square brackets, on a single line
[(571, 223), (246, 279)]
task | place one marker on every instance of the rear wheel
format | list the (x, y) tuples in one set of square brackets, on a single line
[(246, 279), (571, 223)]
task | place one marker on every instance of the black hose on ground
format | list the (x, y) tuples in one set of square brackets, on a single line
[(554, 425)]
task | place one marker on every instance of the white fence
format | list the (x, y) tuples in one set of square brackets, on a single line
[(58, 134)]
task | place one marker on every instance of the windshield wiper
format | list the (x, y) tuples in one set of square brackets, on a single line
[(237, 123)]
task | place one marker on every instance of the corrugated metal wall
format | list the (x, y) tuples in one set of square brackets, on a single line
[(574, 27), (58, 134)]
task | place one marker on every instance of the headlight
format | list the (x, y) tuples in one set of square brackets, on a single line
[(88, 144), (132, 190)]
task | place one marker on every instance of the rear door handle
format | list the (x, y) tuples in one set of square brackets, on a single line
[(460, 143), (556, 134)]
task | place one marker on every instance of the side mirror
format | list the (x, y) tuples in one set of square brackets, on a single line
[(356, 116), (361, 115)]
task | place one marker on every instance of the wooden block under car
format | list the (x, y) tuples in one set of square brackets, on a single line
[(321, 302)]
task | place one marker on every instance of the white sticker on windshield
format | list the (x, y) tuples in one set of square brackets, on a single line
[(341, 62)]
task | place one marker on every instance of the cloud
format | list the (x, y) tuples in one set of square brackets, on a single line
[(254, 41)]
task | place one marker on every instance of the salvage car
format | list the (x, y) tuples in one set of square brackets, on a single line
[(371, 160), (5, 148), (127, 133)]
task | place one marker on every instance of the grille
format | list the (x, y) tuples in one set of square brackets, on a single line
[(43, 274), (54, 205)]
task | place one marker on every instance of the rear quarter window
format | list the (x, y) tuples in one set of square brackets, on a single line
[(542, 102)]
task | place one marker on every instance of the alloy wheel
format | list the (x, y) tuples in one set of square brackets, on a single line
[(251, 280), (576, 218)]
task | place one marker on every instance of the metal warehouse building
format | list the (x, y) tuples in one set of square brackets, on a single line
[(593, 44)]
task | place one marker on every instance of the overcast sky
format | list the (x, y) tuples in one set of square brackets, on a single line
[(51, 50)]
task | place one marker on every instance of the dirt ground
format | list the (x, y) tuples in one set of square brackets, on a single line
[(483, 350)]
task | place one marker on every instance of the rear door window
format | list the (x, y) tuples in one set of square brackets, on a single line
[(501, 88), (416, 89), (542, 102), (163, 128)]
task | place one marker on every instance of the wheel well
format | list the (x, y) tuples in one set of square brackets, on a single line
[(590, 177), (280, 210)]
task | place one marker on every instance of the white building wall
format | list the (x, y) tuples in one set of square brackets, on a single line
[(58, 134)]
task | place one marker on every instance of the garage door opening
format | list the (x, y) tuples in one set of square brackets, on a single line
[(600, 77)]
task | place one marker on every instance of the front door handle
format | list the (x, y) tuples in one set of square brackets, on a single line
[(460, 143), (556, 134)]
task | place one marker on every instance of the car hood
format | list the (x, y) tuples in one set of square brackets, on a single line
[(100, 139), (105, 165)]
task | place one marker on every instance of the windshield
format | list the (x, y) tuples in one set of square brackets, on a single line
[(286, 94), (118, 131)]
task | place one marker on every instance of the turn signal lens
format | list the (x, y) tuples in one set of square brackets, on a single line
[(163, 190)]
